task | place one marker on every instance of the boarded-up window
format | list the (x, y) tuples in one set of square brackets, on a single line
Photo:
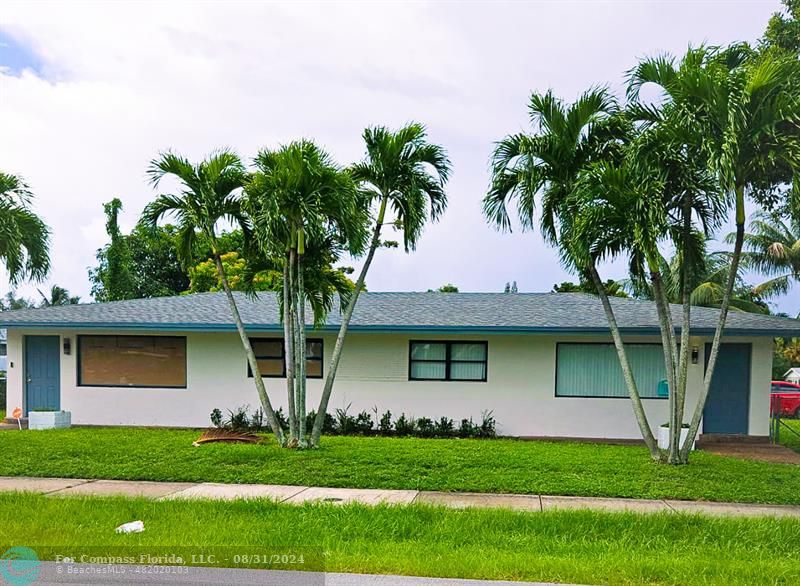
[(132, 361), (271, 357)]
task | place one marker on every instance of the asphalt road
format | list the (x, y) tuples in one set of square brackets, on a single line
[(91, 574)]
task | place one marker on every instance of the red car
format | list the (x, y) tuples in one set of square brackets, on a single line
[(786, 398)]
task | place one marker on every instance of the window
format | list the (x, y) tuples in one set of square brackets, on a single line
[(271, 356), (132, 361), (453, 361), (593, 370)]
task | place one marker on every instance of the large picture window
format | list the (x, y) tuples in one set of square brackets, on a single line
[(132, 361), (271, 356), (448, 361), (593, 370)]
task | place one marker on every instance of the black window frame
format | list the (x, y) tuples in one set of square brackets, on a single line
[(282, 357), (80, 338), (448, 361)]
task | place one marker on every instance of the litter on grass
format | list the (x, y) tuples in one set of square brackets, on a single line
[(132, 527)]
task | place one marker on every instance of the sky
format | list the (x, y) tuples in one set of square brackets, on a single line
[(90, 92)]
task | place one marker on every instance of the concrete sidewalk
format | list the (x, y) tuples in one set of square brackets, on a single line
[(302, 494)]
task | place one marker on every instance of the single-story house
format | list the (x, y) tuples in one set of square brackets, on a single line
[(792, 375), (542, 362)]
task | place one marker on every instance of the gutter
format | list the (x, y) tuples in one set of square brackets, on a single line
[(387, 329)]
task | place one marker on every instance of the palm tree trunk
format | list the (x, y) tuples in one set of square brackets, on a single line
[(316, 432), (668, 344), (300, 351), (627, 371), (288, 341), (694, 426), (683, 363), (251, 357)]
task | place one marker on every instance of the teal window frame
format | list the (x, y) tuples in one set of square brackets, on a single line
[(650, 394)]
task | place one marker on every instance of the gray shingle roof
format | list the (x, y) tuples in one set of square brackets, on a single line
[(510, 312)]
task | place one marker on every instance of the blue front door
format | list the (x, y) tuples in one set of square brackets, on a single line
[(42, 373), (728, 405)]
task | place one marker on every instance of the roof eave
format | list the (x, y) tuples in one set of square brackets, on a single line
[(395, 328)]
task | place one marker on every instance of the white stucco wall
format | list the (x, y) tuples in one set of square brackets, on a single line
[(374, 373)]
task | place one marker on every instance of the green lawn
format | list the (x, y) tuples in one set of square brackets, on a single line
[(508, 466), (788, 438), (567, 546)]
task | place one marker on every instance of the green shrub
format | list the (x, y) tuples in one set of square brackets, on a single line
[(425, 427), (444, 427), (488, 424), (363, 423), (345, 423), (342, 423), (404, 426), (385, 423)]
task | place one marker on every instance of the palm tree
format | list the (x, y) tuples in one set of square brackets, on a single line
[(209, 194), (745, 107), (58, 296), (567, 141), (302, 202), (24, 237), (402, 173), (773, 249), (708, 277)]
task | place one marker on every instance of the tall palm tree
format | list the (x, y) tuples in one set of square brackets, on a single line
[(58, 296), (300, 200), (773, 249), (706, 285), (746, 108), (405, 175), (210, 193), (566, 142), (24, 237)]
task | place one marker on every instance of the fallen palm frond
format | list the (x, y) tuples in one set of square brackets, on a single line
[(227, 436)]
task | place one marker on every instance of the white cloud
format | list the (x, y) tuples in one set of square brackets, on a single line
[(119, 82)]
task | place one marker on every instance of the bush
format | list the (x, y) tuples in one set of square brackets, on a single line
[(342, 423), (425, 427), (283, 420), (444, 427), (328, 425), (345, 423), (487, 427), (404, 426), (241, 420), (238, 420), (467, 429), (363, 423), (385, 423)]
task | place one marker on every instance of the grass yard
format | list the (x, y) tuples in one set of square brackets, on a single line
[(567, 546), (507, 466), (787, 437)]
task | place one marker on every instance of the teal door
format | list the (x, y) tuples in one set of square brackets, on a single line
[(42, 373), (728, 405)]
